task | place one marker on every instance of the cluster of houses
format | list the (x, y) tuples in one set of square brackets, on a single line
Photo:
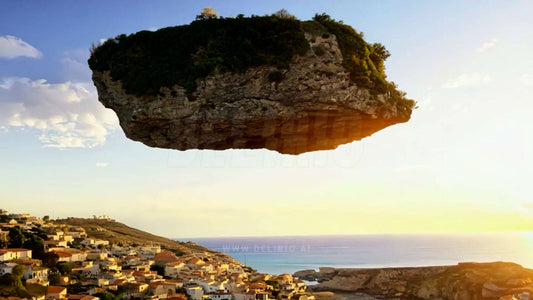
[(137, 271)]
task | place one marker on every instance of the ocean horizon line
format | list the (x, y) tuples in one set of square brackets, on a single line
[(287, 254), (443, 233)]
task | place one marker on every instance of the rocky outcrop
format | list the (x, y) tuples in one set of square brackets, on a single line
[(465, 281), (311, 106)]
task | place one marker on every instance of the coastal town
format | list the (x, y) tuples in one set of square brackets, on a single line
[(42, 259)]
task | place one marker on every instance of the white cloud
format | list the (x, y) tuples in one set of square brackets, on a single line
[(102, 164), (11, 47), (75, 67), (487, 45), (67, 114), (526, 79), (463, 80)]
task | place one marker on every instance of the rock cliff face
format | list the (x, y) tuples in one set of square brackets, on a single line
[(466, 281), (311, 106)]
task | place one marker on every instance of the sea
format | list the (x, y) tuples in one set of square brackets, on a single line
[(288, 254)]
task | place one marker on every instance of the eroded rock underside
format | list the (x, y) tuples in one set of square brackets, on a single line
[(466, 281), (311, 106)]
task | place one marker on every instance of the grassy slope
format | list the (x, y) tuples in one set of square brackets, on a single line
[(116, 232)]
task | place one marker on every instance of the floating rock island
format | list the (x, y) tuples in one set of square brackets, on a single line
[(271, 82)]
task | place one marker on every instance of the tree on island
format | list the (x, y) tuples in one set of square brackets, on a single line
[(284, 14), (207, 13)]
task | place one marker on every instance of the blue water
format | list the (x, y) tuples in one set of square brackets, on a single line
[(278, 255)]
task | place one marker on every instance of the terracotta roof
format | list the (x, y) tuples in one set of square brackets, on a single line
[(135, 283), (62, 254), (196, 260), (119, 281), (55, 289), (2, 251), (257, 285), (165, 256)]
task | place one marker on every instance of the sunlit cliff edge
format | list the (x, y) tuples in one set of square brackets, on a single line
[(465, 281)]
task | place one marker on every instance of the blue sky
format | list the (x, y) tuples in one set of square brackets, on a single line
[(461, 164)]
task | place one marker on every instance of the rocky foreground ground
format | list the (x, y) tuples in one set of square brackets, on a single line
[(465, 281)]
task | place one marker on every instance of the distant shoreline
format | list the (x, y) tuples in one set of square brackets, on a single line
[(469, 280)]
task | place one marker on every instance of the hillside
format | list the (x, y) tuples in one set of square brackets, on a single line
[(116, 232)]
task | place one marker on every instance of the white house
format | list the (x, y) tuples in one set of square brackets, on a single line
[(220, 295), (71, 255), (67, 238), (195, 263), (196, 292), (210, 286), (14, 253), (55, 244), (149, 251), (52, 237), (101, 243), (96, 255), (144, 267), (63, 256), (172, 269), (207, 268), (88, 269), (6, 268), (94, 242), (110, 264), (162, 289), (39, 273)]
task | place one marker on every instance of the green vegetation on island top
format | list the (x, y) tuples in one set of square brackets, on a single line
[(146, 61)]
